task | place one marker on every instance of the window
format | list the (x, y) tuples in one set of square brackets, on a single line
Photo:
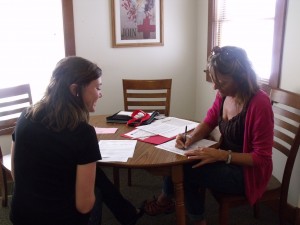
[(255, 25), (32, 41)]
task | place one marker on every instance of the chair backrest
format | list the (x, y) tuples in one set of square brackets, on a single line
[(286, 108), (2, 174), (13, 101), (5, 178), (147, 95)]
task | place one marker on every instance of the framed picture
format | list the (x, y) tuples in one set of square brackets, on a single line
[(137, 23)]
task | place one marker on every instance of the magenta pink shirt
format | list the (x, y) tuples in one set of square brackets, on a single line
[(258, 140)]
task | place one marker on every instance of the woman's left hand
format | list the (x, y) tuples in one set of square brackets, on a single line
[(205, 155)]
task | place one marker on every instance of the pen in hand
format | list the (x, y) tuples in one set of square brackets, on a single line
[(184, 136)]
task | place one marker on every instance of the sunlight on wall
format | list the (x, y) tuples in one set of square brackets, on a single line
[(31, 42)]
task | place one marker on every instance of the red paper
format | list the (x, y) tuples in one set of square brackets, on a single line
[(156, 139)]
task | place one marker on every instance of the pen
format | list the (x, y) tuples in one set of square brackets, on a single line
[(185, 133)]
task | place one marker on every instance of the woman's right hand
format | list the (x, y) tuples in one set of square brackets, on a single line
[(183, 141)]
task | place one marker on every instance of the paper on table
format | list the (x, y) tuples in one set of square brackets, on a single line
[(169, 127), (147, 137), (114, 150), (129, 113), (139, 133), (170, 146), (125, 113), (114, 159), (100, 130)]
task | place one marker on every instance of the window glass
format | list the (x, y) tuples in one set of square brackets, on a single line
[(31, 42), (255, 25), (243, 24)]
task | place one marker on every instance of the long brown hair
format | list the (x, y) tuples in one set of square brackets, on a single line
[(59, 109), (233, 61)]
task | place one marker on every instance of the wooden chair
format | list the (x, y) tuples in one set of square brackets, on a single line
[(146, 95), (5, 178), (286, 106), (13, 101)]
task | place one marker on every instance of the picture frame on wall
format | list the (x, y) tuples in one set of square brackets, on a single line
[(137, 23)]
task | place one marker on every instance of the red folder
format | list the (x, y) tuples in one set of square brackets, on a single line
[(156, 139)]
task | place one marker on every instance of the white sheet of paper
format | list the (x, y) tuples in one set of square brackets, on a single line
[(100, 130), (113, 159), (128, 113), (125, 113), (170, 146), (169, 127), (138, 133), (115, 150)]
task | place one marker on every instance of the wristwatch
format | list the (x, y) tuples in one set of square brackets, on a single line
[(229, 157)]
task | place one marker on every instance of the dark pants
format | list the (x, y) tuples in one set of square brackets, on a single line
[(221, 177), (108, 194)]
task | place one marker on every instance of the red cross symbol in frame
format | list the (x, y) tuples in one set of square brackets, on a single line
[(146, 28)]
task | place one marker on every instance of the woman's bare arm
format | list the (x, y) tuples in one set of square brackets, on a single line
[(85, 186)]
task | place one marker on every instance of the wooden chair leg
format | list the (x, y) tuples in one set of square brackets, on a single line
[(283, 220), (297, 217), (129, 177), (256, 210), (223, 214), (4, 191), (116, 177)]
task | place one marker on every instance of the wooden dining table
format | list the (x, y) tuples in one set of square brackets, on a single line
[(146, 156)]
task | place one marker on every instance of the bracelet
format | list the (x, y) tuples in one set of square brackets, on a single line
[(229, 157)]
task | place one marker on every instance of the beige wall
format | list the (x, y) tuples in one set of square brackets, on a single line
[(176, 59)]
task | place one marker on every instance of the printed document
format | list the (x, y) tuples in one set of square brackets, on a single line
[(116, 150), (139, 134), (170, 146), (168, 127)]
